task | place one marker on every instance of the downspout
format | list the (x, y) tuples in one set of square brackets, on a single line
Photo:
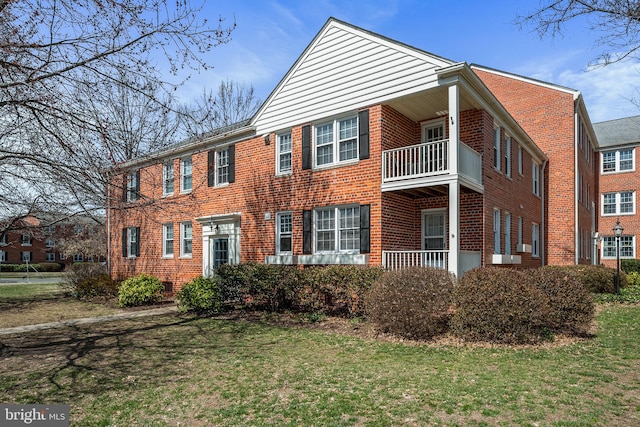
[(543, 240), (576, 192), (108, 228)]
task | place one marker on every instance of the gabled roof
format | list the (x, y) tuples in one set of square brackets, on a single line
[(531, 80), (618, 132), (345, 68)]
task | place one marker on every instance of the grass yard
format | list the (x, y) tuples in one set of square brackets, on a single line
[(30, 304), (181, 370)]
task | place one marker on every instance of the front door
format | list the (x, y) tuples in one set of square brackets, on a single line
[(220, 252)]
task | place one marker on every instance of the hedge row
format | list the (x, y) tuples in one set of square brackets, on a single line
[(43, 267)]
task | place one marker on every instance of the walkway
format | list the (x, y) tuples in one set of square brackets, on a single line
[(88, 320)]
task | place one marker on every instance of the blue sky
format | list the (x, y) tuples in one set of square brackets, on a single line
[(271, 35)]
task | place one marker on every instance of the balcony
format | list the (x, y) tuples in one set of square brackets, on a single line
[(396, 260), (428, 164)]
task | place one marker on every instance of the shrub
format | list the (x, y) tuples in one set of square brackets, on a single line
[(630, 265), (499, 305), (412, 302), (633, 278), (595, 278), (97, 286), (200, 295), (49, 267), (572, 308), (80, 279), (140, 290)]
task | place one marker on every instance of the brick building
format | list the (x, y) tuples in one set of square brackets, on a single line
[(368, 151), (619, 147)]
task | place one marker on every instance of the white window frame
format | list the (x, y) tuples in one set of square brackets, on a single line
[(26, 240), (3, 256), (186, 239), (497, 244), (507, 233), (50, 257), (337, 230), (168, 179), (132, 184), (78, 258), (618, 203), (284, 229), (24, 258), (4, 239), (507, 156), (186, 174), (132, 239), (617, 161), (336, 142), (535, 178), (222, 167), (430, 126), (520, 227), (610, 242), (168, 236), (535, 240), (287, 153), (49, 243), (497, 143), (520, 160), (442, 237)]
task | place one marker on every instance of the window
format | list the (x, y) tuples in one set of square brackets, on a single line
[(535, 178), (186, 182), (3, 240), (186, 239), (580, 183), (49, 243), (25, 256), (627, 247), (519, 230), (535, 240), (78, 258), (63, 257), (222, 167), (434, 233), (520, 159), (284, 153), (496, 231), (507, 157), (133, 186), (618, 161), (167, 240), (3, 256), (619, 203), (284, 228), (130, 242), (49, 229), (167, 179), (26, 240), (433, 131), (336, 141), (338, 229), (507, 233), (50, 257), (496, 148)]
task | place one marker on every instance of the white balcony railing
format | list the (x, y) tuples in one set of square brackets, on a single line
[(415, 161), (395, 260), (470, 162)]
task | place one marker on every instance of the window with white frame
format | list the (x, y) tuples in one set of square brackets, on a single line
[(50, 257), (618, 160), (222, 166), (4, 239), (283, 155), (26, 240), (496, 148), (507, 233), (520, 160), (131, 242), (535, 178), (78, 258), (580, 183), (133, 186), (51, 228), (25, 256), (433, 131), (336, 141), (496, 231), (284, 230), (186, 239), (520, 224), (186, 171), (63, 257), (49, 243), (507, 156), (167, 240), (434, 230), (3, 256), (337, 229), (167, 178), (627, 247), (535, 240), (622, 203)]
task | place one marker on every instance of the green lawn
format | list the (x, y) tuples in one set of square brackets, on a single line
[(180, 370)]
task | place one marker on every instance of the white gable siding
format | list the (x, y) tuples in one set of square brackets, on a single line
[(342, 70)]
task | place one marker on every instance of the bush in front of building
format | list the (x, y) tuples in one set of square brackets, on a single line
[(572, 307), (412, 302), (143, 289), (22, 268), (630, 265), (88, 281), (499, 305), (201, 295), (597, 279)]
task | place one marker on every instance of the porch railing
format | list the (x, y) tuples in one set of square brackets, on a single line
[(395, 260), (415, 161), (470, 162)]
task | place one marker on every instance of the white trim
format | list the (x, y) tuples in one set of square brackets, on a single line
[(165, 228), (617, 161), (535, 240), (279, 216), (280, 172), (323, 259), (432, 212), (335, 142), (183, 175), (618, 204), (602, 248), (183, 239), (432, 124), (336, 230), (166, 166)]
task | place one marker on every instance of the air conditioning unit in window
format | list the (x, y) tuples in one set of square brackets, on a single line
[(524, 248)]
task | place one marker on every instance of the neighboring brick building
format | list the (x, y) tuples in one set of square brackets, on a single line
[(368, 151), (557, 120), (619, 142)]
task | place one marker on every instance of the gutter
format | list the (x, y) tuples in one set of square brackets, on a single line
[(543, 241)]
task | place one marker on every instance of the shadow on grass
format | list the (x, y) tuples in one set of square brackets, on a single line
[(61, 365)]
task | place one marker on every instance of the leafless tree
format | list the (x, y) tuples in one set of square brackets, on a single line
[(65, 65), (616, 21)]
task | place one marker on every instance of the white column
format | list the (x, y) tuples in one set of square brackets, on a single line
[(454, 133), (454, 227)]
